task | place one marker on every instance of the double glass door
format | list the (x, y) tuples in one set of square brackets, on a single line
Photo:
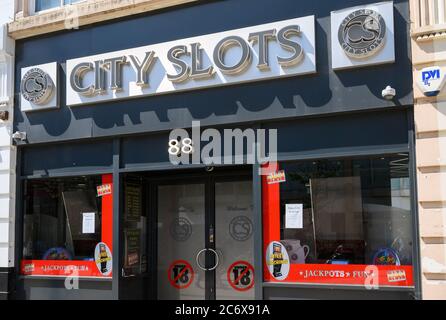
[(205, 239)]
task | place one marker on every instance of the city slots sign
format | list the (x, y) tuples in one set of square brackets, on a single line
[(361, 36), (278, 49)]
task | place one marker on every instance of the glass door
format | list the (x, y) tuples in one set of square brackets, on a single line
[(234, 240), (205, 242), (181, 234)]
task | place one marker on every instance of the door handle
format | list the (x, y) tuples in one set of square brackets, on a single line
[(217, 261), (197, 258)]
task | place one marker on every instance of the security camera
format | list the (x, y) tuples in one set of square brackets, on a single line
[(388, 93), (19, 136)]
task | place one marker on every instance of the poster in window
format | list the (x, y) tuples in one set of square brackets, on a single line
[(103, 258), (294, 215), (132, 247), (277, 260), (88, 222), (133, 199)]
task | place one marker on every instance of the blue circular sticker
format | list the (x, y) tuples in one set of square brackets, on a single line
[(386, 256)]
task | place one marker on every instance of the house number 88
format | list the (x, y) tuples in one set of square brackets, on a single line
[(177, 147)]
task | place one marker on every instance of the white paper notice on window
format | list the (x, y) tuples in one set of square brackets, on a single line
[(88, 222), (294, 216)]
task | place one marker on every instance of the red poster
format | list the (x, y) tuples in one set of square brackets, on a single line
[(61, 268), (276, 177), (104, 189), (353, 274)]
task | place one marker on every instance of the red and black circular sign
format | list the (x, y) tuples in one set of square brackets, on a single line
[(180, 274), (241, 275)]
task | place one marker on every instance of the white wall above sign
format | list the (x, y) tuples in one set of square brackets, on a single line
[(431, 80), (278, 49), (362, 36), (39, 87)]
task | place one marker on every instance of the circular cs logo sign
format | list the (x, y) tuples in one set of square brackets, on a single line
[(361, 34), (240, 228), (36, 86), (180, 229)]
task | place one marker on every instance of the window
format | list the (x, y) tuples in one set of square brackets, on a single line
[(41, 5), (65, 2), (340, 221), (66, 222)]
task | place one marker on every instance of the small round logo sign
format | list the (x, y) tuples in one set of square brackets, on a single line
[(361, 34), (241, 275), (240, 228), (180, 274), (277, 260), (36, 86), (180, 229), (103, 258)]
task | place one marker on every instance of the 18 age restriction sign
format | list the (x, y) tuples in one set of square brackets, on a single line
[(181, 274), (241, 275)]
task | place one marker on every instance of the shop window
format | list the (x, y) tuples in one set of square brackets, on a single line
[(68, 226), (342, 221)]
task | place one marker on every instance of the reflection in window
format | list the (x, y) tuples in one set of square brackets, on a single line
[(46, 4), (71, 1), (49, 4)]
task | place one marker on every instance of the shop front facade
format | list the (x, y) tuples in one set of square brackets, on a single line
[(219, 150)]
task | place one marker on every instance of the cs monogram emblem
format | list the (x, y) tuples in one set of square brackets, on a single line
[(37, 86), (361, 34)]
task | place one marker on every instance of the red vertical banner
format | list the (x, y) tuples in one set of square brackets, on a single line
[(107, 213), (270, 211)]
